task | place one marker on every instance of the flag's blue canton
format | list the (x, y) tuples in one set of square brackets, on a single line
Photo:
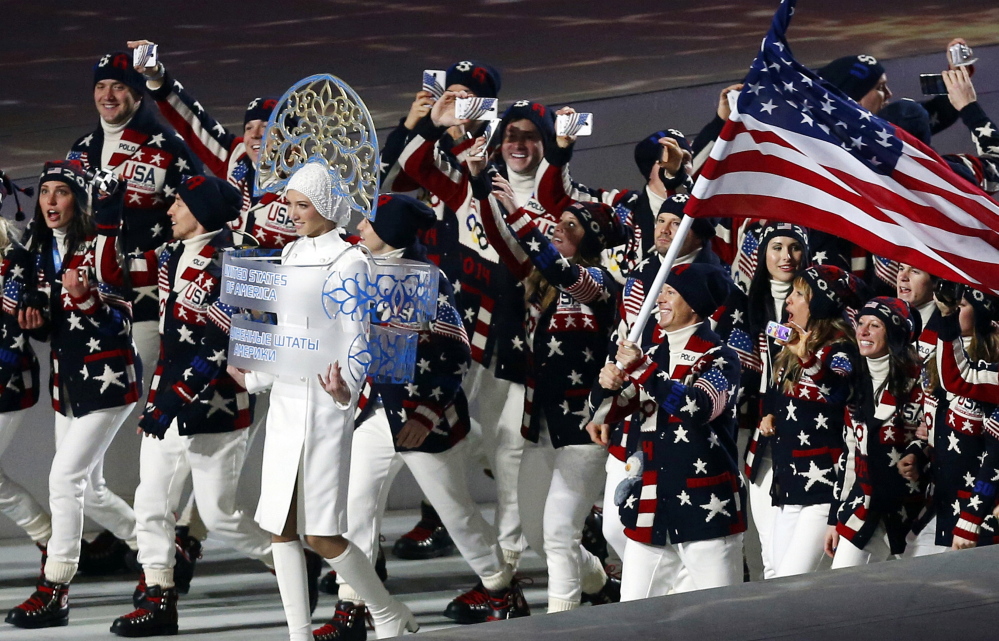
[(781, 92), (622, 213), (239, 172), (740, 341)]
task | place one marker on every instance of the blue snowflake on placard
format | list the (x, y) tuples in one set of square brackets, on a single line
[(393, 355)]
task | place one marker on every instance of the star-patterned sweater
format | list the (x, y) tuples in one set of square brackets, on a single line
[(434, 397), (265, 218), (871, 490), (636, 209), (92, 360), (190, 382), (18, 363), (568, 339), (489, 297), (153, 159), (808, 438), (690, 488)]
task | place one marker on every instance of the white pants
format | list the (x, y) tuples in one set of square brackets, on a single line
[(762, 514), (849, 555), (374, 464), (924, 543), (557, 489), (76, 482), (496, 410), (799, 536), (214, 462), (15, 501), (651, 570), (613, 529)]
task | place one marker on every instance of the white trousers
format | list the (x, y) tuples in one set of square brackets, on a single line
[(214, 462), (849, 555), (762, 514), (651, 570), (15, 501), (613, 529), (799, 535), (924, 543), (374, 464), (76, 482), (496, 410), (557, 489)]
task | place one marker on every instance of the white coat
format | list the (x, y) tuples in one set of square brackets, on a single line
[(308, 434)]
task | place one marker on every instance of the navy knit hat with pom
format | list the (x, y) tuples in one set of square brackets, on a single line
[(853, 75), (117, 66), (648, 151), (481, 79), (399, 218), (703, 286), (213, 202)]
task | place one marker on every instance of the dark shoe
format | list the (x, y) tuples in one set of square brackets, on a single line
[(48, 607), (104, 555), (328, 583), (347, 624), (593, 534), (428, 540), (610, 593), (313, 569), (186, 553), (155, 616), (479, 605), (139, 592)]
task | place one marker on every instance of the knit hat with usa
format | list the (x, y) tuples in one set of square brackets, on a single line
[(117, 66), (901, 324), (833, 290), (399, 218), (481, 79), (213, 202), (986, 309), (601, 227), (69, 172), (648, 151), (702, 286), (542, 117), (853, 75), (703, 227)]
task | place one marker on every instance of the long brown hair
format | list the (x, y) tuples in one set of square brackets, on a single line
[(824, 331)]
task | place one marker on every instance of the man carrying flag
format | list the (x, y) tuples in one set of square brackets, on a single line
[(796, 149)]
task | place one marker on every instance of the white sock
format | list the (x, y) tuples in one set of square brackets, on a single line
[(592, 575), (347, 593), (59, 571), (160, 577), (293, 583)]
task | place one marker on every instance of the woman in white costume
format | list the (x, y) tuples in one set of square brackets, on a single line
[(309, 428)]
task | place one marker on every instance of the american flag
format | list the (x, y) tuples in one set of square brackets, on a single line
[(797, 149)]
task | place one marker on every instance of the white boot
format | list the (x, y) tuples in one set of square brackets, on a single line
[(391, 616), (293, 583)]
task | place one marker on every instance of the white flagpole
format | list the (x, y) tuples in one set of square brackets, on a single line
[(635, 335)]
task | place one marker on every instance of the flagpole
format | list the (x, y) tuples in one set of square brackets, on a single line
[(635, 335)]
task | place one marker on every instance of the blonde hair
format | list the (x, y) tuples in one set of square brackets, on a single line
[(6, 230)]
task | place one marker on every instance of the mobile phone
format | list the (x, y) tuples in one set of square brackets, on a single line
[(778, 331), (949, 293), (932, 84), (574, 125), (145, 56), (488, 132), (475, 108), (433, 81)]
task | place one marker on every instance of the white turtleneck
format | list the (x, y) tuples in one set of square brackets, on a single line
[(655, 200), (61, 242), (523, 186), (686, 259), (878, 368), (677, 340), (112, 141), (395, 253), (192, 247), (779, 291)]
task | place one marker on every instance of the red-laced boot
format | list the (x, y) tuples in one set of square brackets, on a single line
[(47, 607)]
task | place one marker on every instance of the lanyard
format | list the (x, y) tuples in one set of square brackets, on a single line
[(56, 259)]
